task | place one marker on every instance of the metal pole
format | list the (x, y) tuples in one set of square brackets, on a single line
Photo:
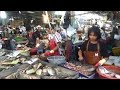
[(48, 19)]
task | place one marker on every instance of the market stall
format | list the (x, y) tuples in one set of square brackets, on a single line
[(16, 65), (19, 63)]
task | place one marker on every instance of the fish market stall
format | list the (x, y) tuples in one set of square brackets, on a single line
[(78, 67), (44, 70), (18, 66)]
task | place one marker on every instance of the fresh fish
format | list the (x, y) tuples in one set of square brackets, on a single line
[(30, 71), (39, 72), (45, 71), (103, 70), (51, 71), (37, 66), (117, 76)]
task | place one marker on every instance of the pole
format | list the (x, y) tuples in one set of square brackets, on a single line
[(46, 13)]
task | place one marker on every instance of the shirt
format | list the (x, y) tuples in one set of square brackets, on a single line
[(63, 34), (76, 39), (36, 35), (57, 37), (93, 47)]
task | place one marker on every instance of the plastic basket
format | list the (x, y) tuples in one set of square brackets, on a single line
[(112, 68), (57, 60), (116, 51)]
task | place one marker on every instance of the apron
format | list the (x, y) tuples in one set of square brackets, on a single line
[(31, 44), (92, 57), (68, 50), (52, 45)]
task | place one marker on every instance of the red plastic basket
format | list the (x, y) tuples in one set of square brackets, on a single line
[(112, 68)]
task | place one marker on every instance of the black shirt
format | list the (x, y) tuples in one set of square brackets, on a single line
[(93, 47), (36, 35)]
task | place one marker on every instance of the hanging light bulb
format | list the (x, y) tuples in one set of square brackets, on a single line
[(19, 12), (3, 14)]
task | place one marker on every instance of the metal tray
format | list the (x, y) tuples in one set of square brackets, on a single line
[(82, 76)]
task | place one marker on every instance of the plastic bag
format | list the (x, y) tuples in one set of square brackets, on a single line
[(70, 31), (117, 37), (0, 46), (74, 23)]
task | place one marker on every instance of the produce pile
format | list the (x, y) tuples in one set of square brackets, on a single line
[(19, 38), (79, 68), (43, 71)]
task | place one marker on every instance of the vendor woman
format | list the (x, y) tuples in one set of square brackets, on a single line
[(33, 41), (93, 51), (54, 41)]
